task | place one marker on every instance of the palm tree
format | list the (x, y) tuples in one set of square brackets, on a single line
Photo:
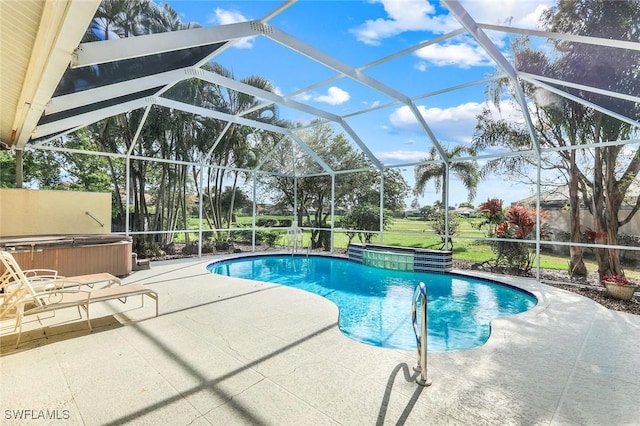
[(233, 149), (466, 171)]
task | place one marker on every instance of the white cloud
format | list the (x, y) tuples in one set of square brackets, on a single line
[(420, 15), (334, 96), (453, 124), (532, 20), (226, 17), (402, 15), (421, 66), (401, 156), (304, 96), (519, 13), (461, 55), (403, 119), (368, 104)]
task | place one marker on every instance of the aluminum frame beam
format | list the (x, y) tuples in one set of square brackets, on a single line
[(99, 94), (277, 99), (579, 100), (134, 47), (579, 86), (88, 118), (598, 41), (483, 40), (330, 62), (241, 121)]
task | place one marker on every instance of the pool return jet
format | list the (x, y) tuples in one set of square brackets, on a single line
[(421, 335)]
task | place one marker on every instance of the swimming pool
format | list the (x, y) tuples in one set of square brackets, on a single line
[(375, 303)]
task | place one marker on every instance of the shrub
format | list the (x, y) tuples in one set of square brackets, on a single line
[(244, 236), (191, 249), (267, 223), (146, 249), (270, 238), (285, 223), (519, 223), (438, 225)]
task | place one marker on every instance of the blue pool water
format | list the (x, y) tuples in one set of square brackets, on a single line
[(375, 303)]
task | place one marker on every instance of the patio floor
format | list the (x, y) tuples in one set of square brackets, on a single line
[(230, 351)]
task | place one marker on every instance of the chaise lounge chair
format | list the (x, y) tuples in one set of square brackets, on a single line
[(21, 299)]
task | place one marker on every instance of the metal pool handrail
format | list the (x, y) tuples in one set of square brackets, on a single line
[(421, 336)]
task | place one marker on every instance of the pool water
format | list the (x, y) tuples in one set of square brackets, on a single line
[(375, 304)]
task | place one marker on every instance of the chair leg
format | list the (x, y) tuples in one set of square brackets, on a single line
[(88, 317), (19, 324)]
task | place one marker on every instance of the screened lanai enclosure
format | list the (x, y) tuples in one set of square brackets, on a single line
[(338, 124)]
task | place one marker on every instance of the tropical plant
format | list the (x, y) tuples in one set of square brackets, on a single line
[(233, 150), (519, 223), (435, 170), (491, 214)]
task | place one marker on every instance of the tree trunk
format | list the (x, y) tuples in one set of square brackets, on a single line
[(186, 214), (231, 203), (613, 202), (576, 261), (19, 169), (117, 198)]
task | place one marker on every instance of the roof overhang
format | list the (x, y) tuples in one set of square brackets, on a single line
[(38, 40)]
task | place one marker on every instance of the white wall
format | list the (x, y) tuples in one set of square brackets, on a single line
[(27, 212)]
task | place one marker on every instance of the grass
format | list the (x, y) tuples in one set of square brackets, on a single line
[(418, 234)]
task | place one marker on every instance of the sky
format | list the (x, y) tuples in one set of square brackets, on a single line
[(357, 33)]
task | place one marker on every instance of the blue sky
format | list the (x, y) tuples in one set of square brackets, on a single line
[(360, 32)]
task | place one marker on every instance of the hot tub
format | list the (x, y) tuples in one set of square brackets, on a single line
[(72, 255)]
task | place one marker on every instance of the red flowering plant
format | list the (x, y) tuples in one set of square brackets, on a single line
[(518, 223), (619, 280), (598, 236)]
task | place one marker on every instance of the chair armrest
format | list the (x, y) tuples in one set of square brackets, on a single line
[(38, 273), (52, 297), (56, 284)]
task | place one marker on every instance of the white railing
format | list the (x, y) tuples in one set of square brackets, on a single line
[(294, 239), (421, 335)]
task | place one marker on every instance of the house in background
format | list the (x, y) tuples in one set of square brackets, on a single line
[(556, 203)]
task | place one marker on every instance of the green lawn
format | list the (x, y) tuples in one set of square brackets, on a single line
[(418, 234)]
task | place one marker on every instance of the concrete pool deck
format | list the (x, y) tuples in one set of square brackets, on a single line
[(231, 351)]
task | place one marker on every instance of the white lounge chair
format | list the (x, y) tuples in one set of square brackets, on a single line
[(21, 299)]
